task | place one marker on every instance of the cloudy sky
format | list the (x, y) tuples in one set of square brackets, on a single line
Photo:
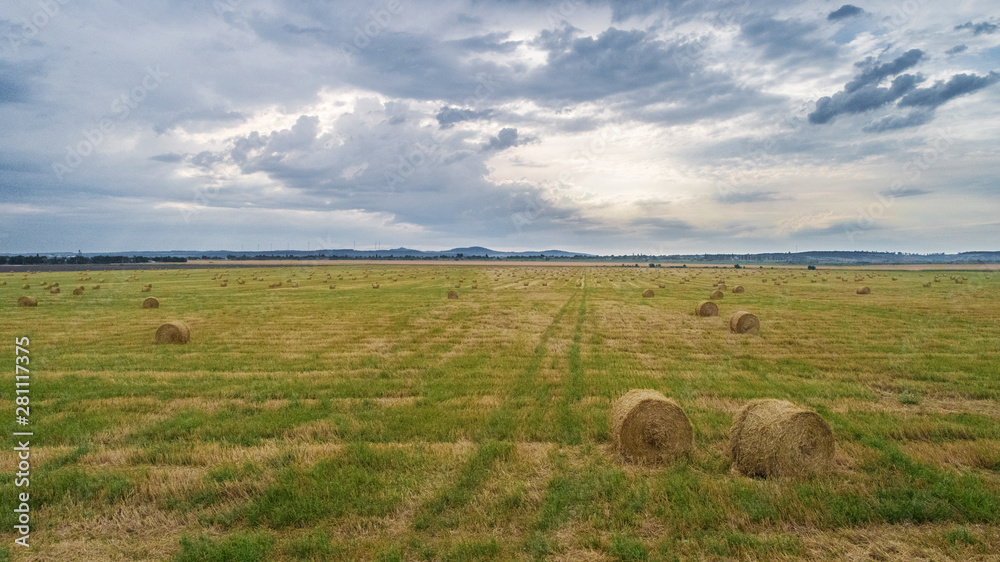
[(586, 125)]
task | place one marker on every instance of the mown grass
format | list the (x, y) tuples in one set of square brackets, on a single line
[(395, 424)]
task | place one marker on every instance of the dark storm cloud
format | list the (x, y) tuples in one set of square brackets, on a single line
[(979, 27), (862, 94), (864, 99), (506, 138), (789, 38), (941, 92), (875, 73), (448, 116), (844, 12)]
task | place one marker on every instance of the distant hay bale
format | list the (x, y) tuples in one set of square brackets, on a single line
[(739, 289), (146, 289), (706, 308), (333, 286), (743, 322), (648, 293), (151, 302), (775, 438), (27, 301), (864, 291), (173, 332), (78, 291), (25, 286), (722, 286), (663, 285), (452, 294), (55, 291), (927, 284), (96, 287), (648, 427), (716, 295)]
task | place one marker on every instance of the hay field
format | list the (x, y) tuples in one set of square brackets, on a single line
[(310, 423)]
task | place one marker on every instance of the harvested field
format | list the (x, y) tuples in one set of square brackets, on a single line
[(308, 423)]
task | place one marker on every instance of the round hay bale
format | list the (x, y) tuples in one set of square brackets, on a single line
[(78, 291), (648, 427), (27, 301), (722, 286), (96, 287), (774, 438), (716, 295), (173, 332), (663, 285), (744, 323), (706, 308), (452, 294), (151, 302), (739, 289), (864, 291), (146, 289), (25, 286), (648, 293), (55, 291)]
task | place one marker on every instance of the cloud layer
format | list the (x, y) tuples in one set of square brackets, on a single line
[(653, 126)]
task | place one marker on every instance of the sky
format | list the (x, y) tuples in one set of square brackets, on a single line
[(677, 126)]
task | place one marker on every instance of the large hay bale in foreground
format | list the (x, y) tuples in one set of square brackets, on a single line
[(648, 427), (151, 302), (743, 322), (864, 291), (27, 301), (648, 293), (773, 438), (173, 332), (452, 294), (706, 308), (716, 295)]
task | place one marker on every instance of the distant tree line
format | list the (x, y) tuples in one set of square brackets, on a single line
[(83, 260)]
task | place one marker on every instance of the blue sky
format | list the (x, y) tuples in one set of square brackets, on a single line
[(609, 127)]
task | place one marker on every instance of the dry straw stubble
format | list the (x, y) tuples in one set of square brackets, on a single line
[(648, 427), (775, 438)]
